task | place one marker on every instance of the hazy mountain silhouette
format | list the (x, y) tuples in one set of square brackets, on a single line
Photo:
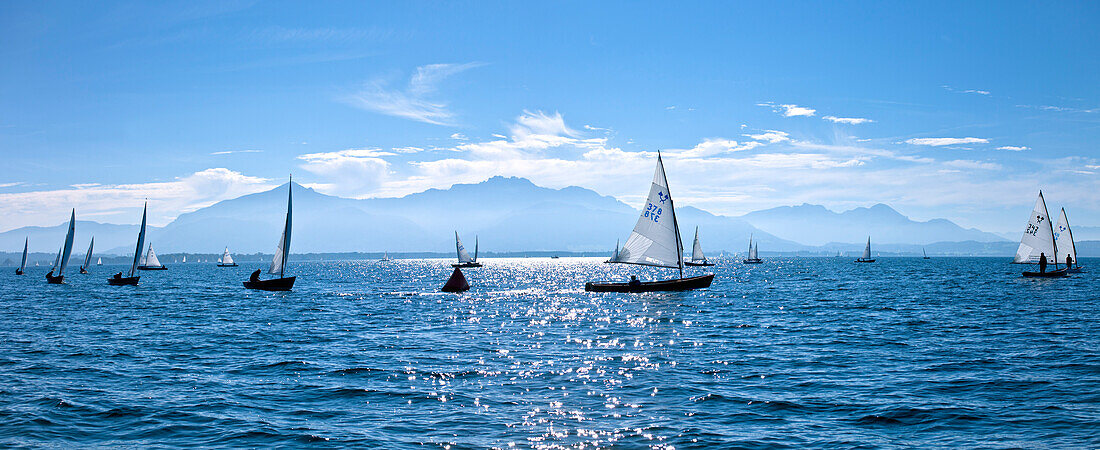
[(815, 225), (49, 239)]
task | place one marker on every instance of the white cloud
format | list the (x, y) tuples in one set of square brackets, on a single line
[(770, 136), (229, 152), (459, 137), (790, 110), (847, 120), (5, 185), (1013, 148), (939, 142), (976, 91), (414, 101), (716, 146), (350, 172), (967, 164)]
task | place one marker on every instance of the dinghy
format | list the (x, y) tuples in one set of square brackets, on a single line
[(457, 282), (866, 258), (62, 260), (754, 257), (23, 263), (615, 255), (654, 242), (1038, 243), (925, 253), (130, 279), (87, 257), (464, 259), (226, 260), (278, 262), (99, 262), (1063, 240), (150, 261), (385, 257), (697, 258)]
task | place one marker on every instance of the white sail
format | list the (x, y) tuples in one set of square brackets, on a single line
[(1038, 236), (151, 258), (140, 242), (696, 249), (67, 249), (463, 255), (282, 251), (750, 247), (99, 261), (1063, 238), (23, 263), (57, 260), (655, 240), (184, 258), (226, 257), (88, 256), (867, 251)]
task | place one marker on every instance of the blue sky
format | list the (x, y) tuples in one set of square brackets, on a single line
[(960, 110)]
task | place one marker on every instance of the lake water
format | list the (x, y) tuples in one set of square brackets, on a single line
[(797, 352)]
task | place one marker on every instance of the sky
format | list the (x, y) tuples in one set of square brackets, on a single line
[(956, 110)]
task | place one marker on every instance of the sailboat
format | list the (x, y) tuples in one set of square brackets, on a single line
[(866, 258), (63, 254), (278, 262), (23, 263), (150, 261), (1038, 243), (925, 253), (655, 242), (697, 258), (87, 257), (615, 255), (131, 279), (464, 259), (99, 262), (226, 260), (754, 257), (1063, 239), (185, 258), (385, 257)]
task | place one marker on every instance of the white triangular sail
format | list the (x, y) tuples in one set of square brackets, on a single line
[(151, 258), (697, 249), (226, 257), (88, 256), (99, 261), (463, 255), (23, 263), (67, 248), (1063, 239), (655, 240), (750, 247), (754, 252), (282, 251), (867, 250), (140, 243), (1038, 236)]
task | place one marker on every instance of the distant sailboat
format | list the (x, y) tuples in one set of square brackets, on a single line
[(464, 259), (131, 279), (63, 254), (88, 257), (184, 258), (385, 257), (1038, 243), (754, 257), (150, 261), (655, 242), (697, 258), (226, 260), (1063, 239), (615, 255), (282, 253), (99, 262), (866, 258), (925, 253), (23, 263)]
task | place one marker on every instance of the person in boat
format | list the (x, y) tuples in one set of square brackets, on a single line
[(118, 276), (634, 282), (49, 275), (1069, 261), (1042, 262), (255, 276)]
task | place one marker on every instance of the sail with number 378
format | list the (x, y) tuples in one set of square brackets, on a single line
[(654, 242)]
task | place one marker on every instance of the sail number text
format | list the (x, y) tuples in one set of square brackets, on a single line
[(652, 212)]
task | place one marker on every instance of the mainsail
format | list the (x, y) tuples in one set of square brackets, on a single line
[(1063, 238), (278, 262), (140, 242), (23, 263), (697, 250), (867, 251), (67, 249), (655, 240), (463, 255), (226, 257), (751, 255), (151, 258), (88, 256), (1038, 236)]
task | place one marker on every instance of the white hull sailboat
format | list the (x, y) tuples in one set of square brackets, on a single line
[(282, 253), (866, 258), (654, 242), (697, 258), (1038, 245), (150, 261), (131, 279), (63, 254), (754, 253), (1063, 240), (464, 259), (226, 260)]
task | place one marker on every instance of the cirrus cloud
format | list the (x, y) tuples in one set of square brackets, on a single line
[(940, 142)]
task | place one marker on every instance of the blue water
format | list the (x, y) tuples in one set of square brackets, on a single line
[(811, 352)]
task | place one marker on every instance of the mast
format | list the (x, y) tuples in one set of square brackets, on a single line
[(1072, 244), (475, 248), (286, 231), (675, 225), (140, 240), (1050, 226)]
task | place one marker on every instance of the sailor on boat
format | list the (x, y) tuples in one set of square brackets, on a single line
[(118, 276), (634, 282), (255, 276), (1042, 262)]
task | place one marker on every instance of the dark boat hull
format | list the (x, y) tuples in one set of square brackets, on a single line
[(124, 281), (83, 272), (466, 265), (152, 268), (18, 272), (752, 261), (680, 284), (1075, 269), (1057, 273), (55, 280), (861, 260), (698, 264), (275, 284), (227, 265)]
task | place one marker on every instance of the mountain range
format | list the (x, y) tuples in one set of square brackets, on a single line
[(506, 214)]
